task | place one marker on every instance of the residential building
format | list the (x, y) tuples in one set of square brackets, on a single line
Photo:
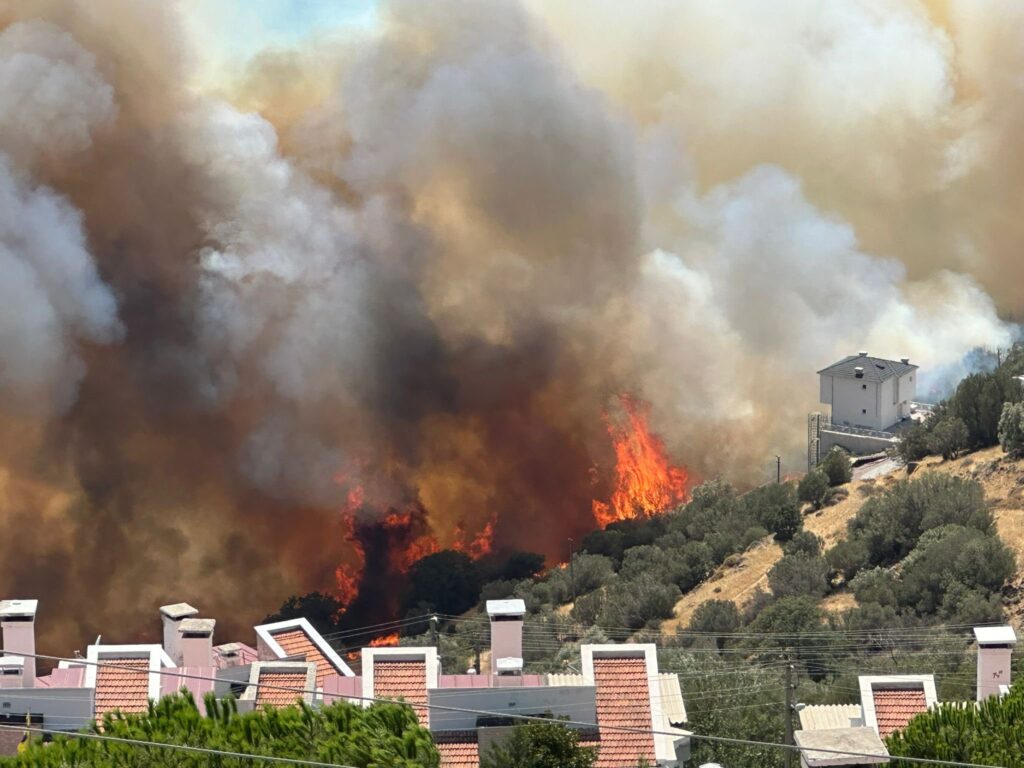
[(868, 392), (620, 702)]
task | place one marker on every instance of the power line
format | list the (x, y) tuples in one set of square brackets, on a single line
[(505, 714)]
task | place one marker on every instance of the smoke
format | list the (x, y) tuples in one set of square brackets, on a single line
[(424, 258)]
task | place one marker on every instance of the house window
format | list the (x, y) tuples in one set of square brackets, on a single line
[(863, 410), (863, 386)]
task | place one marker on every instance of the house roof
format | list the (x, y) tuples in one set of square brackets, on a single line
[(672, 707), (895, 707), (623, 701), (458, 749), (402, 679), (818, 717), (297, 637), (891, 701), (875, 368), (861, 741), (123, 687), (280, 683)]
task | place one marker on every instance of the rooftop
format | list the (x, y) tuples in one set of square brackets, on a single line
[(862, 741), (874, 368)]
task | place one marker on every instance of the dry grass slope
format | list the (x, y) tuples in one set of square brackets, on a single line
[(1002, 478)]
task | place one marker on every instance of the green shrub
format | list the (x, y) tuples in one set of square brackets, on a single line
[(913, 444), (1011, 429), (717, 618), (540, 745), (635, 602), (979, 400), (803, 543), (837, 467), (948, 437), (814, 489), (775, 507), (798, 575), (876, 586)]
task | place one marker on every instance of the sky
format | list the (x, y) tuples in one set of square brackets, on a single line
[(231, 31)]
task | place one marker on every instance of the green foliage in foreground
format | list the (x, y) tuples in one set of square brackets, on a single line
[(991, 733), (381, 735), (540, 745)]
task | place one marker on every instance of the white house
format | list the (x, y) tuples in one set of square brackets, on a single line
[(869, 392)]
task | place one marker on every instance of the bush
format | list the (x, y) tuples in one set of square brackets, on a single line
[(814, 489), (798, 575), (447, 581), (521, 565), (715, 617), (837, 467), (539, 745), (803, 543), (776, 508), (948, 437), (979, 400), (589, 573), (913, 444), (633, 603), (876, 586), (1011, 429), (848, 556)]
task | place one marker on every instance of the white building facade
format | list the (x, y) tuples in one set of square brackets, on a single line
[(868, 392)]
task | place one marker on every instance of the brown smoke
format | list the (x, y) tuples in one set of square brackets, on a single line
[(427, 258)]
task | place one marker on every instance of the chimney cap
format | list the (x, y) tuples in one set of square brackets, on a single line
[(862, 353), (905, 360), (506, 608), (178, 611), (509, 664), (18, 608), (12, 661), (995, 635), (197, 626)]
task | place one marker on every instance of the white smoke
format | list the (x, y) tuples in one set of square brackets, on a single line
[(51, 297)]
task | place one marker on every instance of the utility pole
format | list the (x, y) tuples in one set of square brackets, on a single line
[(789, 712), (572, 574), (478, 670), (433, 631), (778, 469)]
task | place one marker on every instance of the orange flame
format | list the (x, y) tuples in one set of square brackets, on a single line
[(385, 640), (348, 575), (646, 483)]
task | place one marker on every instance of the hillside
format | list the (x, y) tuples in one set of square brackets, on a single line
[(1001, 477)]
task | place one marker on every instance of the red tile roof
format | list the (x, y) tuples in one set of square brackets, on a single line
[(623, 701), (295, 642), (458, 749), (278, 680), (122, 684), (895, 707), (406, 679)]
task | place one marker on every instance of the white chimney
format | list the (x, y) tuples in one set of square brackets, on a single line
[(506, 633), (18, 622), (862, 354), (905, 360), (995, 647), (195, 642), (12, 671), (172, 616)]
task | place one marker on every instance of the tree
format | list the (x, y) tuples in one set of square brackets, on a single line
[(913, 444), (796, 575), (1011, 429), (343, 733), (989, 733), (717, 618), (837, 467), (814, 489), (447, 582), (775, 507), (805, 543), (635, 602), (979, 400), (521, 565), (948, 437), (321, 610), (540, 745)]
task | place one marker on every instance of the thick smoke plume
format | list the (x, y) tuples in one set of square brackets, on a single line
[(424, 261)]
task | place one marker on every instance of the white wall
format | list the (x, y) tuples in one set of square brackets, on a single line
[(855, 402), (63, 709), (577, 702)]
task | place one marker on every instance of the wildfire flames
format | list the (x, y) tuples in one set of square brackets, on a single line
[(643, 483), (384, 640), (646, 483)]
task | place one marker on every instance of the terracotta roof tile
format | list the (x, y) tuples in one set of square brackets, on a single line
[(295, 642), (123, 687), (406, 679), (895, 707), (274, 695), (458, 749), (623, 701)]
